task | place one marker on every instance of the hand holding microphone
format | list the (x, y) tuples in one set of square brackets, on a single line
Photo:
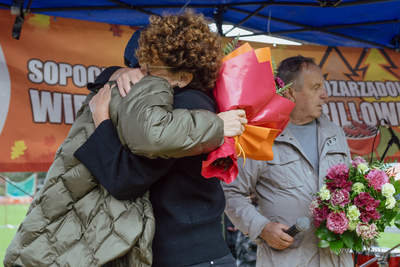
[(301, 225), (277, 234)]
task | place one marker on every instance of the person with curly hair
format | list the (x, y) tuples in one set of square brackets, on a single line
[(182, 50), (123, 153)]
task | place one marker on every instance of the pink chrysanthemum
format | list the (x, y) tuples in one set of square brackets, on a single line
[(377, 179), (357, 160), (337, 222), (367, 231), (315, 205)]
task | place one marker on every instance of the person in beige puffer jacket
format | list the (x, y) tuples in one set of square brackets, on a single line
[(73, 220)]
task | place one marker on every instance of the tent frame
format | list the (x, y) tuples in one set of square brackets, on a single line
[(220, 9)]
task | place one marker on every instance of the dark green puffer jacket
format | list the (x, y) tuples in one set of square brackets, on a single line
[(73, 220)]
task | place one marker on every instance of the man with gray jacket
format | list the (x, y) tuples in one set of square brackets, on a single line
[(303, 152)]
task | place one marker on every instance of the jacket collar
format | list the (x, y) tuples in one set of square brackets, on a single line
[(325, 132), (323, 122)]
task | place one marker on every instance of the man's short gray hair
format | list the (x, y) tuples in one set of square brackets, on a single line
[(290, 70)]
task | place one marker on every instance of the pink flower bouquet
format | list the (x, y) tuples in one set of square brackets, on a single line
[(355, 205)]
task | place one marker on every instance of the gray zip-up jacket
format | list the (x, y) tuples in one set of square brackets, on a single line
[(284, 186)]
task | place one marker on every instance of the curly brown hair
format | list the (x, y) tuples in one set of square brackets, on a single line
[(183, 42)]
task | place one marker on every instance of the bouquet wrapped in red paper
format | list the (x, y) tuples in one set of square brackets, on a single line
[(247, 82)]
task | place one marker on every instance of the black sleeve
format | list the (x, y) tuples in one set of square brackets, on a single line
[(124, 174), (193, 99), (102, 79)]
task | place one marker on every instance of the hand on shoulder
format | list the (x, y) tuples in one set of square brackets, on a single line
[(126, 77)]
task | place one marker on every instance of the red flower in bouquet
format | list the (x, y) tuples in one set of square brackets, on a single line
[(279, 82), (338, 176), (223, 161), (320, 215), (340, 197), (337, 222), (365, 200), (366, 215)]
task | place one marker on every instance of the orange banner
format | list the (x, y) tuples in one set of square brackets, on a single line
[(43, 79)]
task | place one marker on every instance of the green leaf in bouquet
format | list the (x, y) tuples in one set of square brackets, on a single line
[(325, 234), (396, 185), (397, 221), (336, 246), (389, 215), (358, 244), (324, 244), (348, 238), (274, 67), (229, 47), (382, 205), (381, 227), (283, 89)]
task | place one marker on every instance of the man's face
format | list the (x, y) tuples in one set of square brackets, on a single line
[(310, 99)]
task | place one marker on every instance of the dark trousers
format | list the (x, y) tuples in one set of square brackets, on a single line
[(225, 261)]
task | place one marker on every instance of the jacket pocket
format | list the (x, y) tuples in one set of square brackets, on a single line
[(334, 157), (286, 171)]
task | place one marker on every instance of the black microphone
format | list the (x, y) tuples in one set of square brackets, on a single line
[(302, 224), (395, 139)]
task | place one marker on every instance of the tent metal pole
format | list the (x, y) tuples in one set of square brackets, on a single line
[(5, 6), (267, 17), (125, 5), (360, 24), (365, 2), (80, 8), (28, 6), (219, 18), (248, 17)]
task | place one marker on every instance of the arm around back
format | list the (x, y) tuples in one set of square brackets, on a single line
[(148, 126), (124, 174)]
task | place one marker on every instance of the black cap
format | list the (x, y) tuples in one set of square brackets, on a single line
[(133, 44)]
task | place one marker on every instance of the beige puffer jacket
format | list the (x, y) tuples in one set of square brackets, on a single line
[(73, 220)]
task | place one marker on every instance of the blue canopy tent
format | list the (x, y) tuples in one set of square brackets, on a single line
[(352, 23)]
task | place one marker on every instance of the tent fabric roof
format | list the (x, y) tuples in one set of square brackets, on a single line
[(352, 23)]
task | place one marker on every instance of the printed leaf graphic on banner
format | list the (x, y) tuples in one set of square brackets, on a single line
[(41, 23), (49, 140), (18, 149), (117, 31)]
